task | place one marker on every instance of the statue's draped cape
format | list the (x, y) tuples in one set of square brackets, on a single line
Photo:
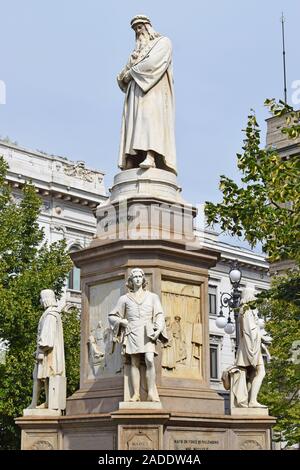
[(50, 342), (148, 115), (249, 352)]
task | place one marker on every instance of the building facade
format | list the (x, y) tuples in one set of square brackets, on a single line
[(70, 192), (286, 148)]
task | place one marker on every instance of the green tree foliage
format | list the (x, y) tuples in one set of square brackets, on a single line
[(27, 265), (280, 389), (264, 208), (71, 326)]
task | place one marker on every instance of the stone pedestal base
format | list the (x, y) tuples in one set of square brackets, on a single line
[(41, 412), (140, 405), (147, 430), (250, 411), (148, 183)]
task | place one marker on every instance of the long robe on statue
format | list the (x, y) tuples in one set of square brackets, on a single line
[(249, 351), (50, 342), (148, 116)]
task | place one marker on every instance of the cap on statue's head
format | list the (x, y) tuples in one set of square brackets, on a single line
[(139, 19)]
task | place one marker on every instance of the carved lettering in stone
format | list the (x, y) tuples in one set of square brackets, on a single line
[(140, 438), (184, 440), (42, 445), (182, 355), (140, 441)]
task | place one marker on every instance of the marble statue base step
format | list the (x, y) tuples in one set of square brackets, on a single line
[(249, 411), (41, 412), (140, 405), (151, 182), (146, 430)]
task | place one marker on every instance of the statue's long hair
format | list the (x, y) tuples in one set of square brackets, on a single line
[(48, 298), (129, 282), (143, 42)]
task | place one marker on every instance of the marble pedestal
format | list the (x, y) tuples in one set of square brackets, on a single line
[(146, 224), (147, 205), (146, 430)]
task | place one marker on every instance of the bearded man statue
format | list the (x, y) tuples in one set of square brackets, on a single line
[(148, 137)]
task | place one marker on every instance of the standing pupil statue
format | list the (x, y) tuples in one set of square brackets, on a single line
[(245, 377), (147, 136), (138, 322), (49, 370)]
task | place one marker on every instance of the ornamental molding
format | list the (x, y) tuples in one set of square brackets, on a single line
[(78, 170), (42, 445), (250, 444)]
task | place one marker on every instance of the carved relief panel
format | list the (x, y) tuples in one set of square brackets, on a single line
[(182, 355), (104, 356)]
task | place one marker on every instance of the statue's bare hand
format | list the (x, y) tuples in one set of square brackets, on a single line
[(127, 77), (124, 322)]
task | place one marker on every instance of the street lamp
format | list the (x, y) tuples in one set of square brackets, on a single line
[(231, 301)]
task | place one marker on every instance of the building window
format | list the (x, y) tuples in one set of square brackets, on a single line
[(212, 300), (74, 279), (73, 282), (214, 361)]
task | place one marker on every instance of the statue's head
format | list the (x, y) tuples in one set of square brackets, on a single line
[(139, 20), (47, 298), (142, 27), (136, 279), (248, 294)]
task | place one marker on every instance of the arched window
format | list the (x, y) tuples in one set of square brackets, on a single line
[(73, 281)]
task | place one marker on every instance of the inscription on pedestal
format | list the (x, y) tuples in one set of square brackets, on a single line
[(140, 438), (188, 440), (140, 441)]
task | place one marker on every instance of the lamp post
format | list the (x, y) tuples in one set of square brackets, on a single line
[(231, 301)]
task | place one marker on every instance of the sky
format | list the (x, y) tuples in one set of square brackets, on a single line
[(59, 60)]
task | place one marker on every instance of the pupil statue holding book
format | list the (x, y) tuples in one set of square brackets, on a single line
[(138, 322)]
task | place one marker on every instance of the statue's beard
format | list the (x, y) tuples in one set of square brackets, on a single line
[(141, 42)]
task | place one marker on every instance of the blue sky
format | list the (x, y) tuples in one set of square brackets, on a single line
[(59, 60)]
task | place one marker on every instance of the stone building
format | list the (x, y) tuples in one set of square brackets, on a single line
[(286, 148), (69, 190)]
